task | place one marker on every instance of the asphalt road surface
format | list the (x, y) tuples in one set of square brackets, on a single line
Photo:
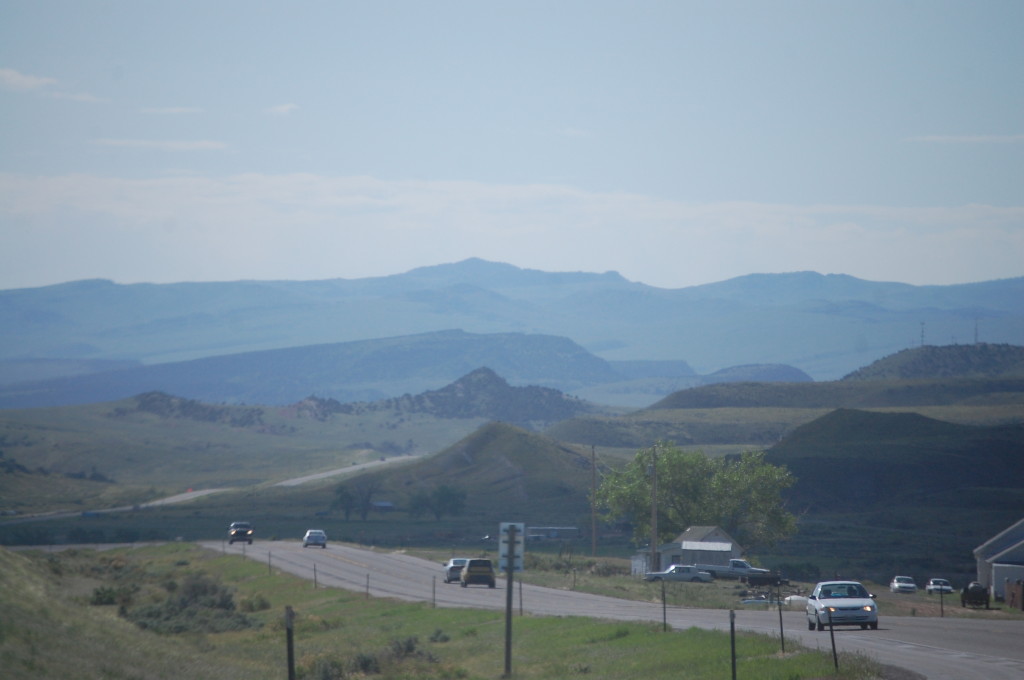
[(937, 648)]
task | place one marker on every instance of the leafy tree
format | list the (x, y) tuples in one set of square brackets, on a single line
[(740, 494), (364, 489), (420, 503), (448, 500), (443, 500), (344, 500)]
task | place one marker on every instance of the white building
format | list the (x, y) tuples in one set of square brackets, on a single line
[(1000, 560), (696, 545)]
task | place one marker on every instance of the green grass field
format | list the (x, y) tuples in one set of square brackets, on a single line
[(50, 629)]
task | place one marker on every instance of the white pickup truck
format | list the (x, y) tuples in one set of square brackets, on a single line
[(680, 572), (736, 569)]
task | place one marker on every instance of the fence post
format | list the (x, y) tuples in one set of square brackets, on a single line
[(289, 624)]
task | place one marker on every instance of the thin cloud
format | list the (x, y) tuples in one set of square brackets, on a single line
[(160, 145), (968, 139), (282, 109), (172, 110), (11, 79), (14, 80), (75, 97)]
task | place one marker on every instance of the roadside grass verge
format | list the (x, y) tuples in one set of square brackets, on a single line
[(611, 577), (50, 630)]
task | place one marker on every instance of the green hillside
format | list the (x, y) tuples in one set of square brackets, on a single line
[(508, 474), (859, 459), (155, 445), (48, 629), (886, 493), (757, 415)]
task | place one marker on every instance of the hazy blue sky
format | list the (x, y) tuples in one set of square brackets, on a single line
[(677, 142)]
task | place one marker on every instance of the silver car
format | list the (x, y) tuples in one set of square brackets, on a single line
[(841, 603), (315, 537), (453, 567), (902, 584)]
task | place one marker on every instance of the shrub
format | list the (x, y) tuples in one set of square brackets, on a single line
[(198, 604)]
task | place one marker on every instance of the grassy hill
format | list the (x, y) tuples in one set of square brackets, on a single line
[(757, 415), (155, 445), (508, 474), (887, 493), (851, 458)]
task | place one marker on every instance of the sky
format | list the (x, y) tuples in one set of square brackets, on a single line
[(677, 143)]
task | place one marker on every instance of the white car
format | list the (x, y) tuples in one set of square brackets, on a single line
[(315, 537), (453, 567), (841, 603), (903, 584), (938, 585)]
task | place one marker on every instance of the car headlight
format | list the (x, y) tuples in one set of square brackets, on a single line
[(832, 609), (869, 608)]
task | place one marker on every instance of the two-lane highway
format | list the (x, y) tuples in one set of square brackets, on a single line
[(938, 648)]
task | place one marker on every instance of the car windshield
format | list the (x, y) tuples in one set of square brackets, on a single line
[(840, 590)]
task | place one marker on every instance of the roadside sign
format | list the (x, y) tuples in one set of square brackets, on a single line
[(511, 544)]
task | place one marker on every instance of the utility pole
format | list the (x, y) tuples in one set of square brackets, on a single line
[(593, 502), (655, 566)]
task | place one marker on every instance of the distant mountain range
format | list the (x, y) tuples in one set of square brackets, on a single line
[(597, 336)]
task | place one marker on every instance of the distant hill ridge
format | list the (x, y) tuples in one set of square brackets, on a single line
[(372, 370), (479, 394), (919, 376), (823, 325), (980, 360)]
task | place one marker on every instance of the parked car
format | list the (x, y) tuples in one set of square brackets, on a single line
[(841, 603), (938, 585), (680, 572), (974, 594), (477, 571), (902, 584), (314, 537), (453, 567), (737, 569), (240, 531)]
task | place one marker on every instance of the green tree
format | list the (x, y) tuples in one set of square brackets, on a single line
[(443, 500), (741, 494), (344, 500), (364, 489), (448, 500), (420, 503)]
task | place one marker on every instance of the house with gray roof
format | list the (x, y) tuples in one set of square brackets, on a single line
[(1000, 560), (699, 544)]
